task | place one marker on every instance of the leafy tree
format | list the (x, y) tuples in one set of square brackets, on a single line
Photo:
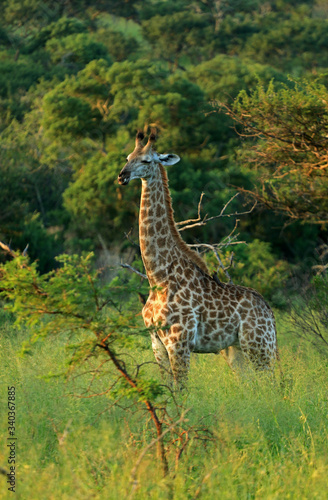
[(76, 107), (102, 327), (15, 79), (31, 195), (44, 11), (289, 155), (220, 9), (223, 77), (94, 114), (62, 28), (310, 311), (77, 50), (293, 44), (68, 113), (175, 35), (119, 46), (257, 267)]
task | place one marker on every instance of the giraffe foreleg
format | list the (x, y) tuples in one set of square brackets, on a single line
[(159, 348), (236, 359), (161, 356), (179, 354)]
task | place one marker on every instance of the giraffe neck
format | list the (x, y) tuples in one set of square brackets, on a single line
[(160, 242)]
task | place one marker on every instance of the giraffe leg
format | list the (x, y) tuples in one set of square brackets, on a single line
[(161, 357), (179, 354), (180, 367), (259, 349), (236, 359)]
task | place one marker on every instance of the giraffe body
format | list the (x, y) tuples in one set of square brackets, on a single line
[(190, 310)]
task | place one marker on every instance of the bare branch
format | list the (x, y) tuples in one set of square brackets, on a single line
[(229, 240), (199, 216), (205, 220), (151, 444), (8, 250), (128, 237), (132, 269)]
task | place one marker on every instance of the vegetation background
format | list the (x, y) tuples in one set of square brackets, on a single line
[(239, 89)]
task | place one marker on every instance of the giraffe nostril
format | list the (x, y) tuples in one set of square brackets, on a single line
[(123, 178)]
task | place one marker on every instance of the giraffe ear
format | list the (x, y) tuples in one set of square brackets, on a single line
[(169, 159)]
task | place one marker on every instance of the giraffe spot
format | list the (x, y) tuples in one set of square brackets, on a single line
[(158, 226), (184, 336), (190, 324), (217, 337), (184, 303), (251, 323), (188, 273), (159, 211)]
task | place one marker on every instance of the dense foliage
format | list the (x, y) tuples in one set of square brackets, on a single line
[(77, 80), (237, 88)]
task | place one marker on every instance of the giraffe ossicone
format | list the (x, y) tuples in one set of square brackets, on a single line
[(192, 312)]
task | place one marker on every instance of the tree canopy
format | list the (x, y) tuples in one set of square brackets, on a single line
[(219, 80)]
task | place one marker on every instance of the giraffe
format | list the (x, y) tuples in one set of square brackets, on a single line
[(188, 309)]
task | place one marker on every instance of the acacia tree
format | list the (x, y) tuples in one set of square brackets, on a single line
[(104, 330), (286, 134)]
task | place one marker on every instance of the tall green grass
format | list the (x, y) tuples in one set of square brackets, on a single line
[(270, 441)]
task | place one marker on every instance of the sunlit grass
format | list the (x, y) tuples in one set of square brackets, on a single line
[(270, 439)]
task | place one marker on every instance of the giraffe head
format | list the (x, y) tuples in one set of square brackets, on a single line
[(144, 160)]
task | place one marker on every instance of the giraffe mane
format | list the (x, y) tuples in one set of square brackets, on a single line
[(190, 254)]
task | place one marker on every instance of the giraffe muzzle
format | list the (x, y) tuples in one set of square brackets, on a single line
[(124, 178)]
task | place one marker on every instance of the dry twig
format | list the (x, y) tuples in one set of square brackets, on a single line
[(151, 444), (203, 221)]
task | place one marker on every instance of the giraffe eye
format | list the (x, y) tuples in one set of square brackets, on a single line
[(145, 161)]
